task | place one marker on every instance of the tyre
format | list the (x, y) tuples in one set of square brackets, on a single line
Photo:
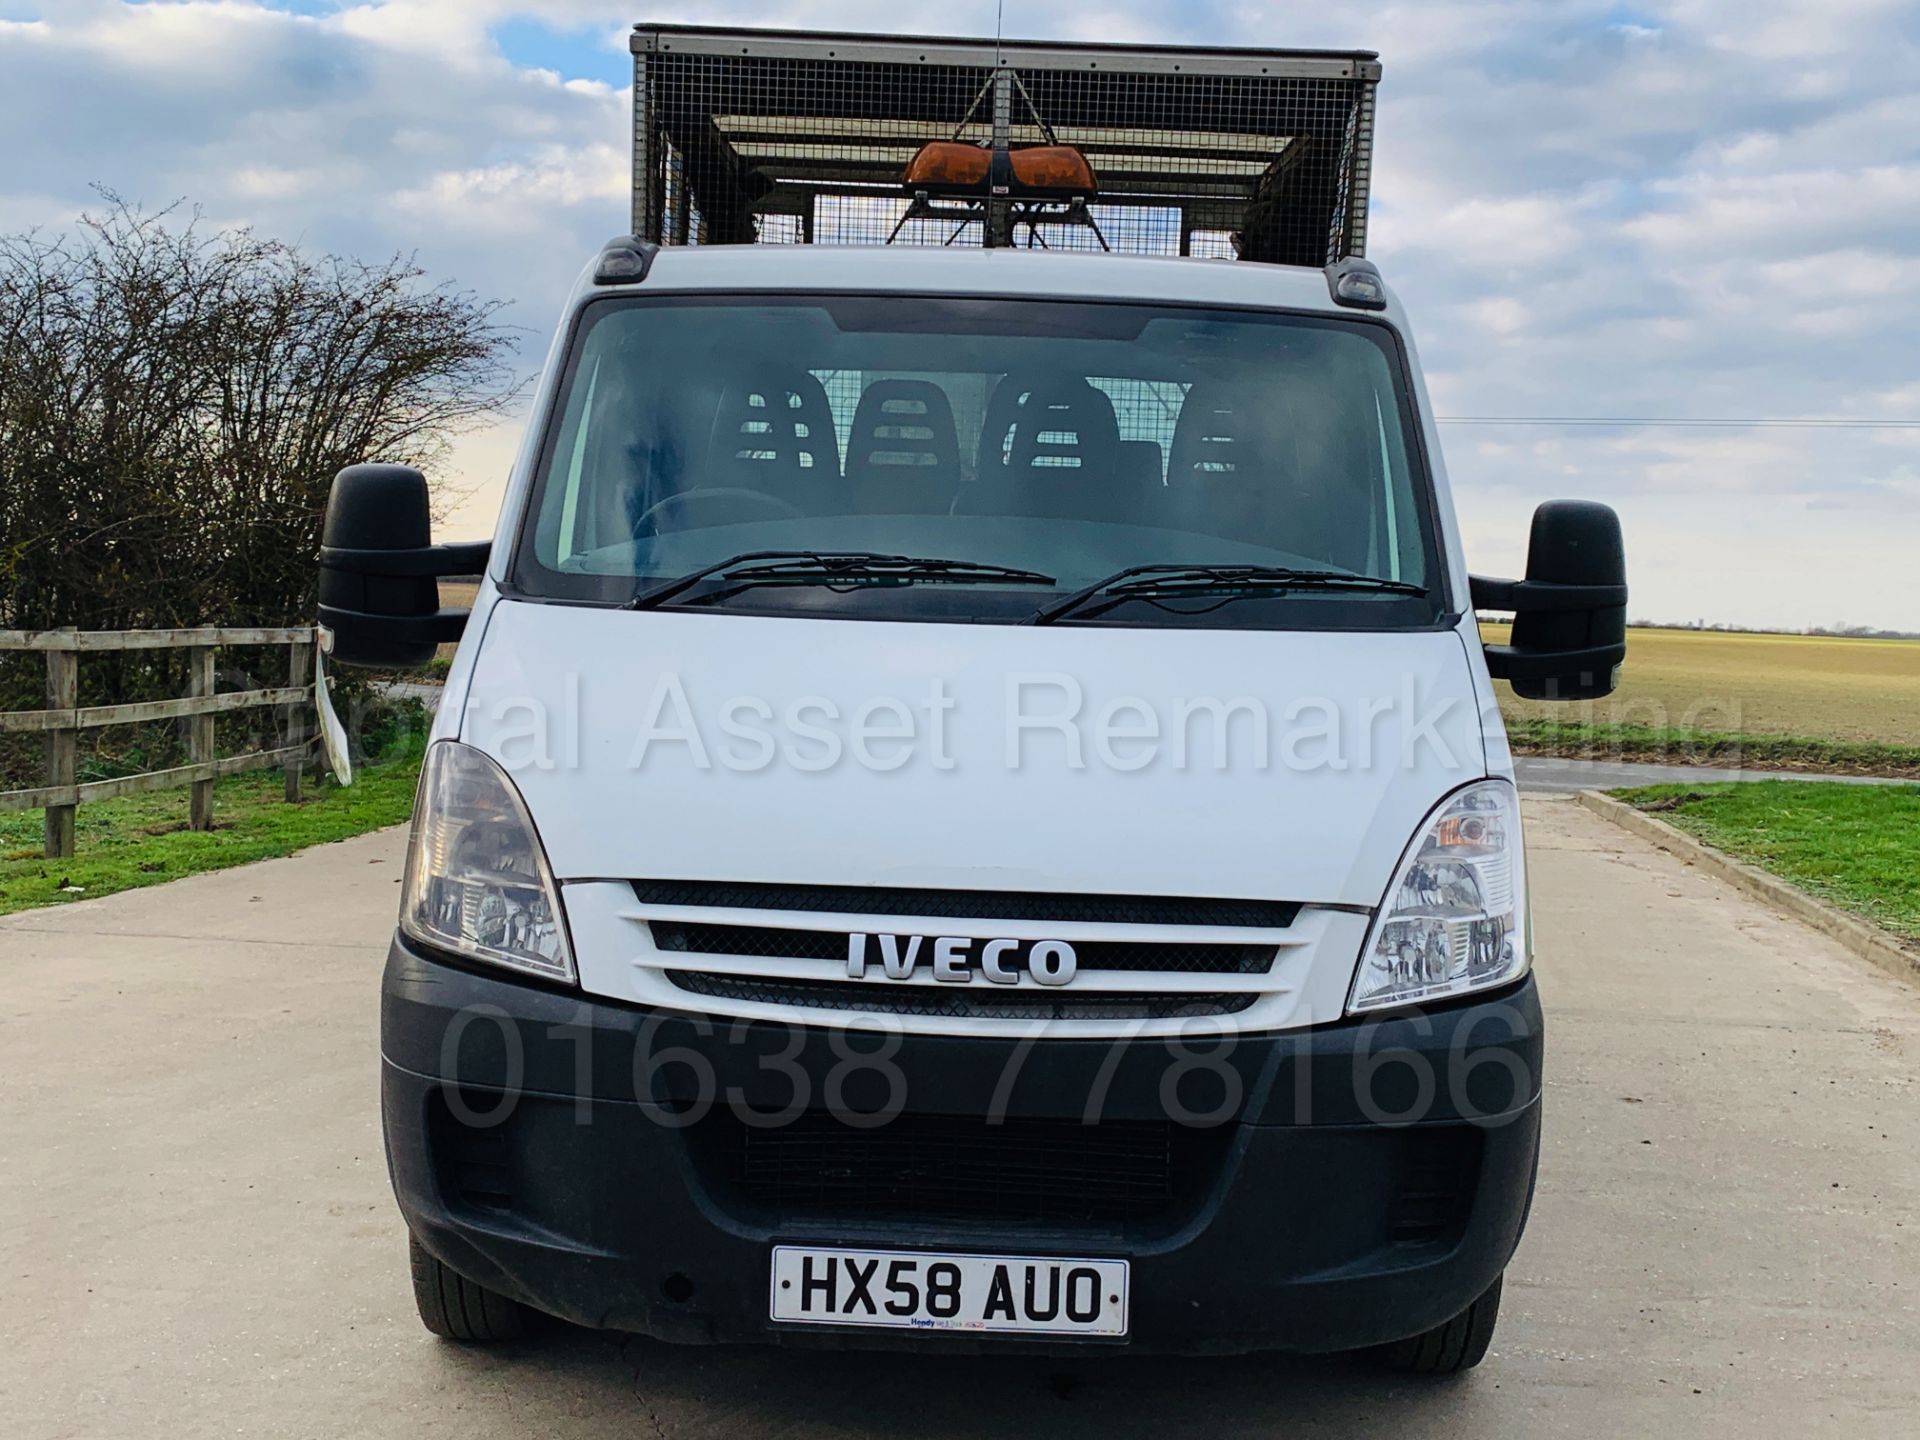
[(1460, 1344), (455, 1308)]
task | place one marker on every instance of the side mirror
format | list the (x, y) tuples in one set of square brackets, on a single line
[(379, 566), (1570, 613)]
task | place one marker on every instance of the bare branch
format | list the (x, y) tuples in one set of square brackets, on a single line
[(174, 403)]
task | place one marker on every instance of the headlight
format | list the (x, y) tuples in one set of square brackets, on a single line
[(1455, 916), (477, 880)]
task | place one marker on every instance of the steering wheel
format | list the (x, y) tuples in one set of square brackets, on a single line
[(777, 508)]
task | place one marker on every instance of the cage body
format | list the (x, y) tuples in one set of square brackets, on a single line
[(745, 136)]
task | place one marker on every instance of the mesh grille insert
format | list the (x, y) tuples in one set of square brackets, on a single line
[(959, 1002), (1439, 1167), (472, 1147), (970, 904), (957, 1168)]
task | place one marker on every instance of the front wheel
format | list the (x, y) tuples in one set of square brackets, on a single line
[(1447, 1349), (455, 1308)]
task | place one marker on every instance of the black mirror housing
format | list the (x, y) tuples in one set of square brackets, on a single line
[(379, 570), (1570, 613)]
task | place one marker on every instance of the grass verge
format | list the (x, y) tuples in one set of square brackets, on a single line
[(1854, 846), (143, 840), (1665, 745)]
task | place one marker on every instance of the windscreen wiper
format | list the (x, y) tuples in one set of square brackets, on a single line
[(1229, 582), (852, 568)]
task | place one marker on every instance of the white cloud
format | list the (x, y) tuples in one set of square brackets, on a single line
[(1502, 315), (1530, 230), (1781, 213), (515, 194)]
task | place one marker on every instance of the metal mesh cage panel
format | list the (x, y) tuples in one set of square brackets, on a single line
[(773, 137)]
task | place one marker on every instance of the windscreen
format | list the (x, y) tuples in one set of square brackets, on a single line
[(1072, 440)]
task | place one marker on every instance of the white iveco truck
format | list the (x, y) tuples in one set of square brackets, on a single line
[(969, 809)]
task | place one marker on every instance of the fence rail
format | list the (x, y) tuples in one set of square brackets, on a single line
[(64, 718)]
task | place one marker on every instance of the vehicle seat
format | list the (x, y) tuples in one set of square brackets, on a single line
[(1211, 439), (773, 432), (1062, 450), (1003, 412), (640, 449), (1246, 466), (903, 457), (1141, 463), (1224, 462)]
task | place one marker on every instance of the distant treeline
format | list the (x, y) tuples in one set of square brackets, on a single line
[(1831, 632), (1835, 632)]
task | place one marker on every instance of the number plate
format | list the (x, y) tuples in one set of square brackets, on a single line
[(918, 1291)]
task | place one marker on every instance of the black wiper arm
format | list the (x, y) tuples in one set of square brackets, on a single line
[(817, 567), (1169, 582)]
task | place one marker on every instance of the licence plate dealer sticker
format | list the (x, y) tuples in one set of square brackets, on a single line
[(919, 1291)]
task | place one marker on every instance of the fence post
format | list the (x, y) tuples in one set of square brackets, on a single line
[(200, 737), (63, 749), (299, 672)]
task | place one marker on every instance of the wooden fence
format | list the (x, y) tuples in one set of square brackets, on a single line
[(64, 718)]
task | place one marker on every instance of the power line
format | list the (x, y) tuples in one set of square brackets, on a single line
[(1683, 421)]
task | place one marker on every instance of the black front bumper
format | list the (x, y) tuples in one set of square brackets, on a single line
[(1336, 1188)]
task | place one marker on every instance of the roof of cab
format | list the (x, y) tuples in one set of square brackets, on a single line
[(1036, 274)]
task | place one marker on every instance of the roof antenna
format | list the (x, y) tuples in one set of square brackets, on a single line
[(998, 230)]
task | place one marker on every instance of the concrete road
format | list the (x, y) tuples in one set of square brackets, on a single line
[(196, 1237)]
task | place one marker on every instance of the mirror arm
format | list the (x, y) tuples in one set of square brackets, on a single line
[(1488, 593), (1504, 662), (438, 561), (1540, 597), (441, 627)]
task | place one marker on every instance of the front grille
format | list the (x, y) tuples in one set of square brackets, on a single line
[(969, 1002), (970, 904), (1137, 958), (763, 942), (959, 1168)]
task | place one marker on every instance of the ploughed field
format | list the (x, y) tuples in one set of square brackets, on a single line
[(1859, 693)]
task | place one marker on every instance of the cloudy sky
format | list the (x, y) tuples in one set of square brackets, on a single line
[(1704, 209)]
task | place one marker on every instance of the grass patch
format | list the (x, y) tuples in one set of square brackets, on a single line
[(141, 840), (1670, 745), (1856, 846)]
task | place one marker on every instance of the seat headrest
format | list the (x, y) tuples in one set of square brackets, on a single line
[(1069, 425), (773, 431), (1217, 425), (903, 455)]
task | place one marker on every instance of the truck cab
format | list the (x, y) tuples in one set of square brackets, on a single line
[(970, 810)]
